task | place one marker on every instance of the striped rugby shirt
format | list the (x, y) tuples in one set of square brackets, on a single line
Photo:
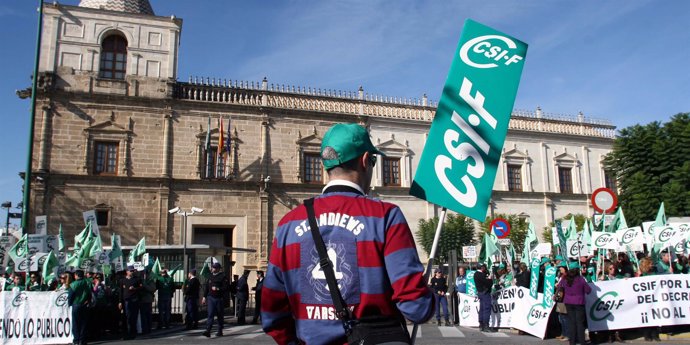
[(375, 262)]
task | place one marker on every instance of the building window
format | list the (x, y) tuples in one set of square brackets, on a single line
[(391, 171), (214, 164), (105, 158), (515, 178), (610, 181), (103, 217), (114, 57), (313, 173), (565, 179)]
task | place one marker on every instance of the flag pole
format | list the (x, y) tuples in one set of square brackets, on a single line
[(429, 264)]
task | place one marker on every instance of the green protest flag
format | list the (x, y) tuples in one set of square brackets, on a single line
[(96, 246), (458, 165), (534, 277), (471, 286), (549, 286), (531, 241), (205, 272), (49, 266), (618, 221), (660, 215), (81, 237), (116, 250), (61, 239), (571, 232), (510, 254), (156, 269), (586, 235), (489, 248), (174, 270), (73, 260), (19, 250), (138, 250), (561, 236)]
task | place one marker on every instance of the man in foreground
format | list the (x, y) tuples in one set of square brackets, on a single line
[(216, 286), (368, 242)]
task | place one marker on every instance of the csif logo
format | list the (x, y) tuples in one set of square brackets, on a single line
[(23, 265), (602, 307), (665, 234), (61, 300), (465, 311), (19, 299), (603, 240), (575, 249), (489, 50), (536, 313), (628, 236)]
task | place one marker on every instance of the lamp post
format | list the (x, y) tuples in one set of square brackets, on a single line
[(183, 226), (7, 205)]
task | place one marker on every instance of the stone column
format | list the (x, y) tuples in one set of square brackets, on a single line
[(46, 127), (167, 143)]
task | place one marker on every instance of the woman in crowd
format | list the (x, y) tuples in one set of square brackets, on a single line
[(647, 269), (624, 267), (560, 306), (575, 287)]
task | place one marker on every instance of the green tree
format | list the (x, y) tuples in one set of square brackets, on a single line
[(457, 231), (518, 229), (651, 165)]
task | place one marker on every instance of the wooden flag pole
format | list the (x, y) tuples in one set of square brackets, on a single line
[(429, 264)]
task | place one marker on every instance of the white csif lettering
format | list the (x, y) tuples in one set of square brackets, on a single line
[(460, 151)]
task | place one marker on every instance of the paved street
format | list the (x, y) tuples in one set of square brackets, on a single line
[(429, 334)]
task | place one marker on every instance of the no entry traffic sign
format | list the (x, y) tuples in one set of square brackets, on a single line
[(604, 200), (500, 227)]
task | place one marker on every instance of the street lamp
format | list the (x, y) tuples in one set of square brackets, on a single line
[(184, 216), (7, 205)]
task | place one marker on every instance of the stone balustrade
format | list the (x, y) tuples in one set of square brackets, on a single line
[(360, 103)]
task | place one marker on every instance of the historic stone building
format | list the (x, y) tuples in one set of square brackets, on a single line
[(116, 131)]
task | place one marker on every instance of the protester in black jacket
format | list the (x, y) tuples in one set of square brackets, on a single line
[(216, 288), (483, 282), (440, 287), (242, 297), (191, 290), (257, 295), (523, 277)]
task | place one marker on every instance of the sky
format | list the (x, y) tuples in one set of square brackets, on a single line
[(623, 61)]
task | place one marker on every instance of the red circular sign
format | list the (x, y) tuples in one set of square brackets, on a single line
[(500, 227), (604, 200)]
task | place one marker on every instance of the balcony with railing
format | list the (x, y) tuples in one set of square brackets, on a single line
[(261, 93)]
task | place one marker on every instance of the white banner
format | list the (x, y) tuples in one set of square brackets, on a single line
[(508, 309), (35, 318), (633, 237), (37, 244), (542, 249), (660, 300)]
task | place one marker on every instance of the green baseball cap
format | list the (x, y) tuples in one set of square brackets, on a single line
[(349, 141)]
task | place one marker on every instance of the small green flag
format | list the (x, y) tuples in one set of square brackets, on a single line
[(531, 241), (618, 221), (19, 250), (116, 251), (205, 272), (571, 232), (660, 215), (489, 248), (156, 269), (138, 250), (61, 239), (96, 247), (49, 267)]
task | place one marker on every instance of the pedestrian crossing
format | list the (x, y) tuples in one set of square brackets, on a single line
[(426, 330)]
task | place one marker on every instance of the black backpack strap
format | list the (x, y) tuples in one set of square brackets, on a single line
[(326, 265)]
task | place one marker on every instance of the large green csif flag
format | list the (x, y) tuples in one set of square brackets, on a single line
[(489, 248), (138, 250), (458, 165)]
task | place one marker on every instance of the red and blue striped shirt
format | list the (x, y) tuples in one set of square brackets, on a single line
[(375, 262)]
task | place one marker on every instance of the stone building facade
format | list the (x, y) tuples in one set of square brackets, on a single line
[(117, 132)]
